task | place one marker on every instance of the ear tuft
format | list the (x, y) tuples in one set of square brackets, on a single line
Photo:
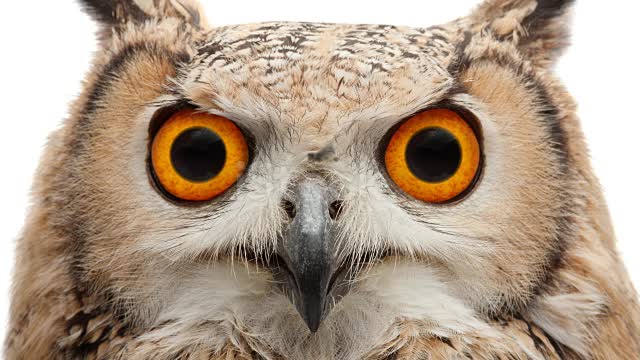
[(113, 13), (546, 13), (539, 28)]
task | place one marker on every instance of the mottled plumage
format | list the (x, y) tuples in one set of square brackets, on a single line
[(523, 267)]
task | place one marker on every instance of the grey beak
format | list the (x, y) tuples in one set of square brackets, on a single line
[(308, 250)]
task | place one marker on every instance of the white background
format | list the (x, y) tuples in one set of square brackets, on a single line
[(47, 47)]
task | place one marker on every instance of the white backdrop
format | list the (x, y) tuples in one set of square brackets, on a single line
[(47, 46)]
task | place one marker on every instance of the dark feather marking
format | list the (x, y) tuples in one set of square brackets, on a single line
[(539, 344), (326, 153), (393, 356), (458, 63), (448, 342)]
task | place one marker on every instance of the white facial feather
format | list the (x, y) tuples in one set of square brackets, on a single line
[(237, 303)]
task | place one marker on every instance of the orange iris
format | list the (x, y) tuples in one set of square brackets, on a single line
[(434, 156), (197, 156)]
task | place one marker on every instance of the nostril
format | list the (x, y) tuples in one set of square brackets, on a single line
[(289, 208), (335, 209)]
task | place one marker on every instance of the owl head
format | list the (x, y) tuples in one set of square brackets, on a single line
[(285, 182)]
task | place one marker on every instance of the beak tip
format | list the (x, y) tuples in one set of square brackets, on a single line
[(311, 311), (313, 323)]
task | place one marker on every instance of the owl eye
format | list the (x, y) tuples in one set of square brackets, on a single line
[(197, 156), (434, 156)]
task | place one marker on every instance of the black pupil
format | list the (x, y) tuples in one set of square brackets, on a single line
[(433, 155), (198, 154)]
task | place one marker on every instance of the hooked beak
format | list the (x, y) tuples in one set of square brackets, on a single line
[(308, 250)]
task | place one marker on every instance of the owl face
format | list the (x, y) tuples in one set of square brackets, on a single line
[(373, 173)]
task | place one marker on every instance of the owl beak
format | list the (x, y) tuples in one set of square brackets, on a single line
[(308, 251)]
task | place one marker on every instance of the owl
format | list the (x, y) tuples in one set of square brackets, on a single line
[(321, 191)]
